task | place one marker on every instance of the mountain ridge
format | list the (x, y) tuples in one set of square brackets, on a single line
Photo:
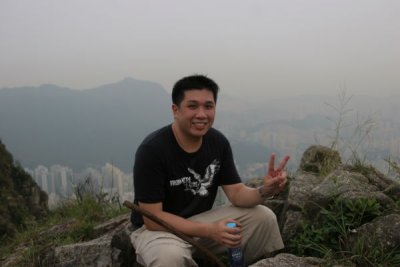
[(67, 124), (50, 124)]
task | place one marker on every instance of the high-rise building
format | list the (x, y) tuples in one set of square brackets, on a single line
[(41, 174)]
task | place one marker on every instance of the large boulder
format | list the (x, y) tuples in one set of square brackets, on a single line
[(385, 228), (319, 159)]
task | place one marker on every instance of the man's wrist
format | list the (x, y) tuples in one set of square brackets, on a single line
[(263, 193)]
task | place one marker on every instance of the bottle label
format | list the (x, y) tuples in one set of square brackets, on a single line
[(236, 257), (236, 253)]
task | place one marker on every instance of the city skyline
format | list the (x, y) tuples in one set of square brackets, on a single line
[(60, 182)]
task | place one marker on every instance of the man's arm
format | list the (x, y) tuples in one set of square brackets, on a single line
[(217, 231), (185, 226), (243, 196)]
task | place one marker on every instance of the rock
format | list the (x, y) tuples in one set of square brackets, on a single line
[(125, 252), (319, 159), (382, 233), (112, 248), (288, 260), (292, 225), (310, 193), (301, 188)]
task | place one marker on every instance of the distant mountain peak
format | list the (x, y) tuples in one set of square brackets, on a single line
[(128, 79), (129, 84)]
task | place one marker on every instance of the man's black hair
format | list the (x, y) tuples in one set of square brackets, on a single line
[(190, 83)]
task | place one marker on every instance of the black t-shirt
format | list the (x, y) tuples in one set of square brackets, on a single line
[(185, 183)]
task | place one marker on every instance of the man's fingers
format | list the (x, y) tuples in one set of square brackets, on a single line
[(271, 166), (283, 163)]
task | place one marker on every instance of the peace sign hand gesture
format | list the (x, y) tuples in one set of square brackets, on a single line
[(275, 180)]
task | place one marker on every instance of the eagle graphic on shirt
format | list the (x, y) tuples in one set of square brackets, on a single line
[(199, 184)]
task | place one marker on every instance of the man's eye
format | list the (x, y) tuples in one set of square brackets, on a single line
[(209, 106), (192, 106)]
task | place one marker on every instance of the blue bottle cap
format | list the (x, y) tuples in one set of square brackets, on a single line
[(231, 224)]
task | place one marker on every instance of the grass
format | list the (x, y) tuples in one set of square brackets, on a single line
[(72, 221), (332, 236), (352, 137)]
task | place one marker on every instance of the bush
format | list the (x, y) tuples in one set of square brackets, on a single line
[(330, 236)]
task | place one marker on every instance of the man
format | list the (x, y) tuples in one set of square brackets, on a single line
[(177, 171)]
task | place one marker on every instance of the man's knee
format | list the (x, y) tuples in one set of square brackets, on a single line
[(264, 235), (169, 255), (263, 214)]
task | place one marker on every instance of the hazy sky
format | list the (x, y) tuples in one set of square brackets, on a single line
[(275, 47)]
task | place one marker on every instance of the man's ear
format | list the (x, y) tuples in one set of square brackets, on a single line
[(174, 109)]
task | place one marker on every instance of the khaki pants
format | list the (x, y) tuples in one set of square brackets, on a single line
[(260, 236)]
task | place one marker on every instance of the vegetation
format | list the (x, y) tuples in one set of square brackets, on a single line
[(21, 200), (350, 137), (333, 237), (72, 221), (393, 169), (332, 234)]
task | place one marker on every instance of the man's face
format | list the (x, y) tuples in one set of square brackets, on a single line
[(196, 113)]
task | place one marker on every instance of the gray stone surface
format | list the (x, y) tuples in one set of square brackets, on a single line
[(288, 260)]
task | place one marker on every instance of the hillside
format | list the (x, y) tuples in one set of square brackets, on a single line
[(21, 199)]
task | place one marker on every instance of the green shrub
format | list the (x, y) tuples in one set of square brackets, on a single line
[(329, 236)]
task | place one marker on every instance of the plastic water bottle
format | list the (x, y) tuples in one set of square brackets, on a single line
[(235, 255)]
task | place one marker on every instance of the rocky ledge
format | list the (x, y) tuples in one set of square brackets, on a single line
[(320, 180)]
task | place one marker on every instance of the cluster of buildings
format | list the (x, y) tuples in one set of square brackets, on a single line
[(61, 182)]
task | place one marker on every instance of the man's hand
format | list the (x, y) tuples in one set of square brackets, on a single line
[(224, 235), (275, 180)]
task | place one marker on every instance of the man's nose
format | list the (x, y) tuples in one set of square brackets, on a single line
[(201, 112)]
